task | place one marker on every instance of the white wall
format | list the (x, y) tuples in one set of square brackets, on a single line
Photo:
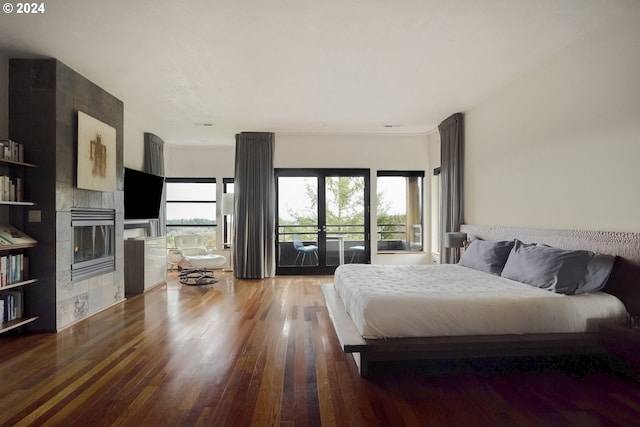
[(199, 162), (559, 148), (134, 129), (384, 152)]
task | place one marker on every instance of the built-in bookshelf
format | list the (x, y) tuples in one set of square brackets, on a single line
[(12, 307), (14, 244)]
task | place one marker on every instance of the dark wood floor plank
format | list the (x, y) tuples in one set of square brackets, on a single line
[(264, 352)]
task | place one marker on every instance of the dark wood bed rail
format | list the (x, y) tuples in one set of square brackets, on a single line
[(365, 351)]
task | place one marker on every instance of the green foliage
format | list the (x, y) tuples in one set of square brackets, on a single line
[(391, 226), (345, 201), (344, 209), (386, 219)]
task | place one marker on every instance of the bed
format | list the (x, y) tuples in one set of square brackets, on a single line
[(452, 311)]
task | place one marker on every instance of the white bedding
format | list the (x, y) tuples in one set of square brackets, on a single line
[(447, 300)]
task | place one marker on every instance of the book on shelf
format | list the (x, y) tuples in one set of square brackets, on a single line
[(11, 150), (12, 304), (5, 185), (19, 190), (14, 268), (11, 189), (11, 236), (17, 304)]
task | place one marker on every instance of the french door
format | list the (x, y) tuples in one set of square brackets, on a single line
[(322, 219)]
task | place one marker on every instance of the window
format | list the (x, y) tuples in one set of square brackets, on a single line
[(399, 205), (227, 189), (191, 208)]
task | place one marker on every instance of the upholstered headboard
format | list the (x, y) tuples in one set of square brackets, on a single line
[(624, 281)]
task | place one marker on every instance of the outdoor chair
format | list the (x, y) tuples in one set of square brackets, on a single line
[(303, 250)]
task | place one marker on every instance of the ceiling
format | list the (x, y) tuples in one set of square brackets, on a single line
[(196, 72)]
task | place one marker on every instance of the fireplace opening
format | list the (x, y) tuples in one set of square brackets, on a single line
[(93, 242)]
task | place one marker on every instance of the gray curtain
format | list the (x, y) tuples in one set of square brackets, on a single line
[(451, 180), (254, 212), (153, 154), (154, 164)]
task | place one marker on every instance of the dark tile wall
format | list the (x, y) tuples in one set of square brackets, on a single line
[(44, 98)]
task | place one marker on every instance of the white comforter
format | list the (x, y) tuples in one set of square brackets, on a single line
[(447, 300)]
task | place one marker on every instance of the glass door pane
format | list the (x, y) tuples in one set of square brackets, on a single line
[(323, 219), (345, 219), (298, 221)]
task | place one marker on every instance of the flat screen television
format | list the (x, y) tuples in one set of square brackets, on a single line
[(142, 194)]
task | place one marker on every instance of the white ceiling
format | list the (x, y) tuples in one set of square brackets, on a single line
[(337, 66)]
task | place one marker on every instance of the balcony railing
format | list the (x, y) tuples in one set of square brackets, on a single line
[(391, 237), (310, 232)]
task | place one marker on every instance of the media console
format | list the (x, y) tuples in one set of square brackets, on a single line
[(145, 264)]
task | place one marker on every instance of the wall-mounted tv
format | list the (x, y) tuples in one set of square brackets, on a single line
[(142, 194)]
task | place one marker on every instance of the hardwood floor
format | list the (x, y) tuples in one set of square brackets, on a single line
[(264, 353)]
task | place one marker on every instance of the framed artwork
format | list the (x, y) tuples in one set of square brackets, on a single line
[(96, 154)]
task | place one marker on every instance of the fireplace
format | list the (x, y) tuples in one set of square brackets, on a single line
[(93, 251)]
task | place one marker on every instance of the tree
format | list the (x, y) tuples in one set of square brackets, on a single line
[(345, 200), (344, 208), (386, 220)]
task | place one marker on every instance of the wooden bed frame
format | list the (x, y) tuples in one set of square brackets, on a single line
[(623, 283)]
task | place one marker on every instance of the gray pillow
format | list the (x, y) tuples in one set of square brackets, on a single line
[(598, 271), (486, 256), (556, 270)]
